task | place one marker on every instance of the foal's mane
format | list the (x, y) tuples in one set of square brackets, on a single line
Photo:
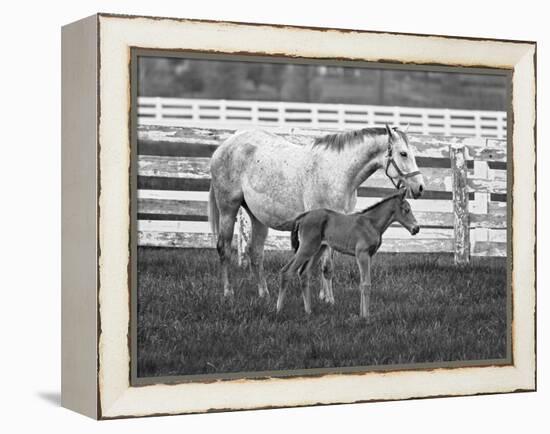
[(377, 204), (339, 141)]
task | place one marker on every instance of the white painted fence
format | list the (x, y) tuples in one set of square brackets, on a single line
[(463, 209), (238, 114)]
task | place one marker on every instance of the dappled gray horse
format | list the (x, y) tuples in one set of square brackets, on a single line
[(358, 234), (274, 180)]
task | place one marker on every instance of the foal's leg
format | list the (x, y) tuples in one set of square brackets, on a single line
[(303, 255), (327, 269), (364, 263), (306, 291), (228, 213), (256, 254)]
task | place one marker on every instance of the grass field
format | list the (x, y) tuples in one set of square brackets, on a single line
[(424, 309)]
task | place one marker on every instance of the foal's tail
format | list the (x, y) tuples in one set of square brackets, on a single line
[(213, 212), (294, 239)]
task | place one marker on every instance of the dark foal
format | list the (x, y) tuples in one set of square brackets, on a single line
[(358, 234)]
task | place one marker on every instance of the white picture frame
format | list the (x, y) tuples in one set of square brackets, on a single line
[(96, 216)]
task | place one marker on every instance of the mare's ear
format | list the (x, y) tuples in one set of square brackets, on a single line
[(390, 132)]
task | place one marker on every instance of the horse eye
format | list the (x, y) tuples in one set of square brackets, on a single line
[(406, 210), (403, 154)]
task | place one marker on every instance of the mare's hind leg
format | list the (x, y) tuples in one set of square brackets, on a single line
[(228, 213), (327, 269), (256, 254), (284, 284)]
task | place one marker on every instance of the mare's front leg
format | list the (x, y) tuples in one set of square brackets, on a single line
[(364, 262), (256, 254), (285, 277), (327, 272)]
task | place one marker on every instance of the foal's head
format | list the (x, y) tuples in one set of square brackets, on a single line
[(403, 213)]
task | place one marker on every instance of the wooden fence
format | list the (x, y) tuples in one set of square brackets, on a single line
[(463, 209), (236, 114)]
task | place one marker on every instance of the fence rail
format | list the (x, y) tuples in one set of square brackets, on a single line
[(463, 209), (236, 114)]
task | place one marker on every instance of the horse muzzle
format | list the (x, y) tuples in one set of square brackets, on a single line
[(415, 229), (416, 190), (415, 184)]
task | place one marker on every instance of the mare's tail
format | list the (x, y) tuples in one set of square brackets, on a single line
[(213, 212)]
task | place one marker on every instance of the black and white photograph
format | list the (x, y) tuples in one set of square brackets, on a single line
[(232, 217), (299, 217)]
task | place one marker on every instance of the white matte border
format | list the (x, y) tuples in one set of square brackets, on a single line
[(117, 35)]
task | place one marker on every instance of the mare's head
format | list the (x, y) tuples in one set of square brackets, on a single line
[(400, 164), (403, 213)]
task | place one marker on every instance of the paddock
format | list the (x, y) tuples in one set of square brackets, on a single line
[(438, 297), (424, 309)]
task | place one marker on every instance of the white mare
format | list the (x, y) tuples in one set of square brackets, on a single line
[(275, 180)]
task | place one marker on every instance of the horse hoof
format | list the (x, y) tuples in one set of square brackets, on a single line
[(328, 300), (228, 293), (263, 293), (366, 319)]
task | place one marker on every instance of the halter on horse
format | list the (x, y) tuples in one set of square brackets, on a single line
[(401, 177)]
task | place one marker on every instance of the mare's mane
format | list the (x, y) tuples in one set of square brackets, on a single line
[(339, 141)]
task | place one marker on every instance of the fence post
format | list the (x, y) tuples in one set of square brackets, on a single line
[(396, 116), (477, 123), (370, 116), (243, 237), (447, 122), (481, 202), (460, 203), (341, 120), (314, 116), (158, 108), (223, 111), (254, 113), (195, 111), (501, 128), (425, 123)]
